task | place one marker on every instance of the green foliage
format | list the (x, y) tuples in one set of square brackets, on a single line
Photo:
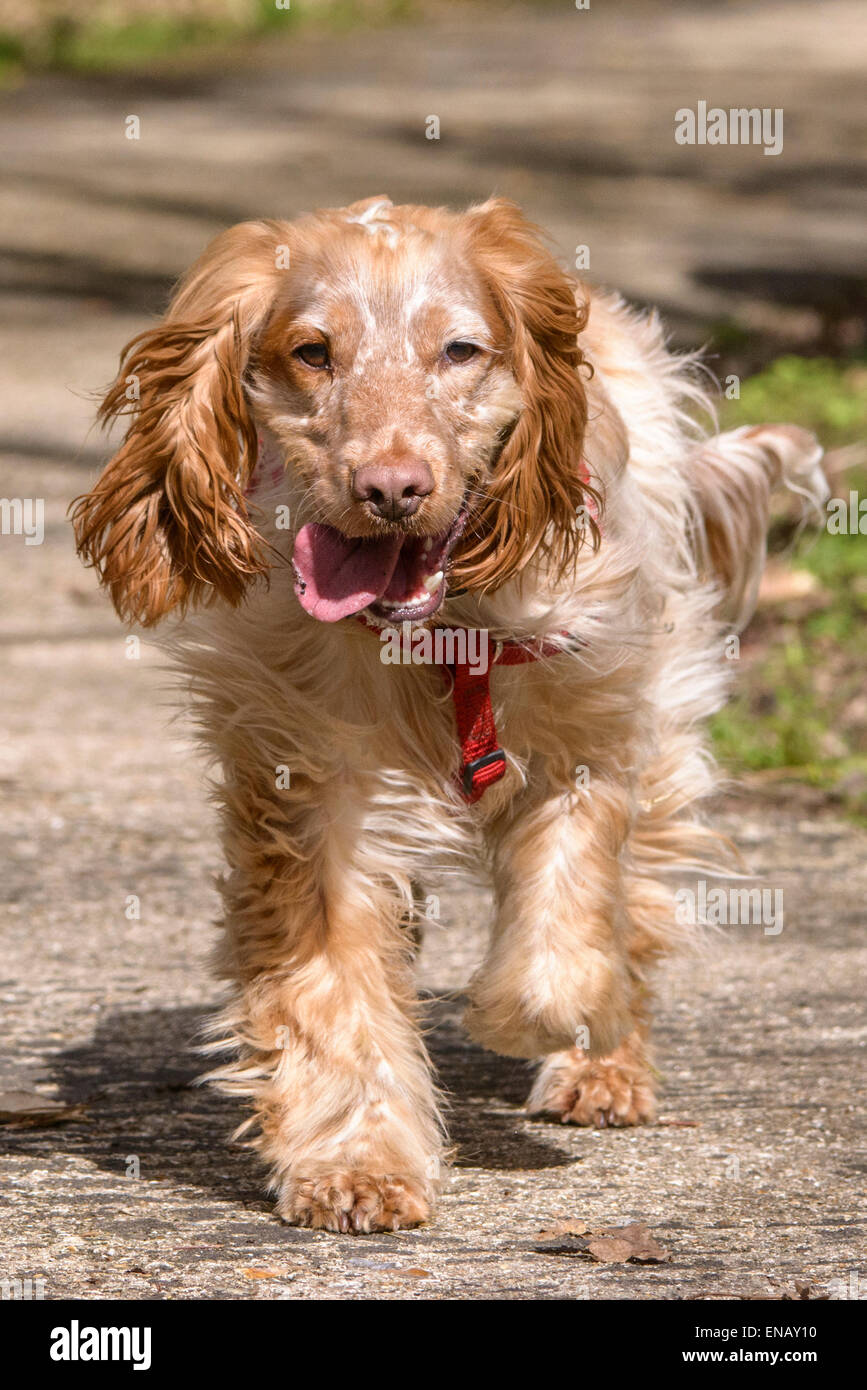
[(801, 701), (103, 47), (825, 396), (80, 44)]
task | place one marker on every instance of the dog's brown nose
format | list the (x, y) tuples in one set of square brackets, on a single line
[(393, 490)]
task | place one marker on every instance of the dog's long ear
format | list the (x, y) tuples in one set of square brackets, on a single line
[(538, 494), (167, 521)]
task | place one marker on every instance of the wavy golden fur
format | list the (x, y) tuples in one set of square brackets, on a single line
[(384, 376), (167, 522)]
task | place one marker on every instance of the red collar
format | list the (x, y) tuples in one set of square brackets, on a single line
[(483, 761)]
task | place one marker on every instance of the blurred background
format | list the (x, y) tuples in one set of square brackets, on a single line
[(259, 108)]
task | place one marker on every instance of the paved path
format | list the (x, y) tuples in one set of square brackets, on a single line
[(752, 1178)]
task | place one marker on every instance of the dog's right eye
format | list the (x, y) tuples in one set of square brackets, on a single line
[(313, 355)]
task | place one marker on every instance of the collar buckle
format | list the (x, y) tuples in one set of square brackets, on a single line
[(495, 760)]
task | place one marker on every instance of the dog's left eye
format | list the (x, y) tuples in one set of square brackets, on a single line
[(314, 355), (459, 352)]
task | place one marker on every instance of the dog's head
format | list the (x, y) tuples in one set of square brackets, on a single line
[(420, 372)]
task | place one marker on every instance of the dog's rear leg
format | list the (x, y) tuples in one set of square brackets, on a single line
[(325, 1020)]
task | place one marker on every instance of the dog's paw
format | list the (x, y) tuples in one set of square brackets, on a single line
[(354, 1202), (581, 1090)]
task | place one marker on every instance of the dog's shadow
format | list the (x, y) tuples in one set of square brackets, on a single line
[(485, 1096), (135, 1084)]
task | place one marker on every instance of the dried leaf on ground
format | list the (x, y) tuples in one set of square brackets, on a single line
[(633, 1242), (30, 1108), (565, 1228), (608, 1245)]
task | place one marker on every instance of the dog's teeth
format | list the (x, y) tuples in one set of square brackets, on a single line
[(433, 581), (403, 603)]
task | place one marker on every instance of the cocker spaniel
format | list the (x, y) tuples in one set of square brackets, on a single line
[(452, 567)]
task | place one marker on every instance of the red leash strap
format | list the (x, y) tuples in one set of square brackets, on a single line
[(483, 761)]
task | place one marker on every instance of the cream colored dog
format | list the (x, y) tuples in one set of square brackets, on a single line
[(379, 420)]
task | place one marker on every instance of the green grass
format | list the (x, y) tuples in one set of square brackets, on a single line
[(103, 47), (83, 45), (801, 701), (827, 397)]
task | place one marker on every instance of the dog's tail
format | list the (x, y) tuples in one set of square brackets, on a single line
[(733, 477)]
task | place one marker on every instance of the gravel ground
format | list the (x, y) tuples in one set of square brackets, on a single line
[(753, 1179)]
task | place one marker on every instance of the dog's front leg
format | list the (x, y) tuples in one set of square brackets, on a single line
[(331, 1052), (556, 970)]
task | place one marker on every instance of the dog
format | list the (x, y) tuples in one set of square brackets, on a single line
[(380, 424)]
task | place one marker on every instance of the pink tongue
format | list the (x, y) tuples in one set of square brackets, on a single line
[(336, 576)]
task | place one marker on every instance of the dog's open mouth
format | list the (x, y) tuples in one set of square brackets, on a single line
[(399, 578)]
